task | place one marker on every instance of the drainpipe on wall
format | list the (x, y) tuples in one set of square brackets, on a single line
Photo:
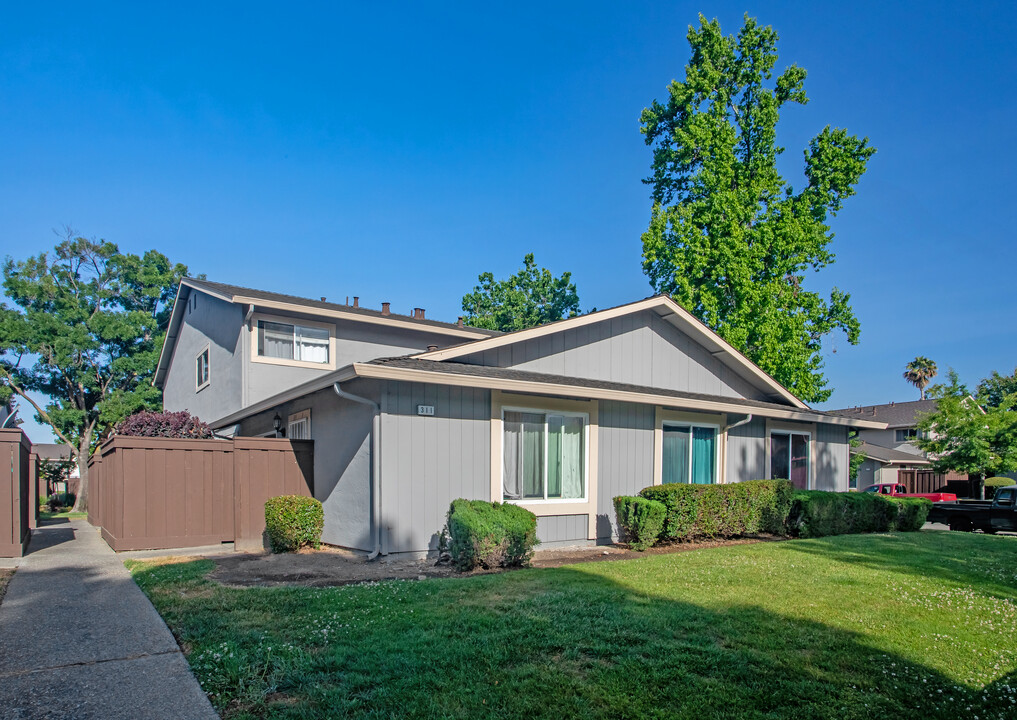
[(375, 465), (747, 419)]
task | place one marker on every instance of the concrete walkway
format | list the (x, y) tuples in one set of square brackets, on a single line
[(79, 640)]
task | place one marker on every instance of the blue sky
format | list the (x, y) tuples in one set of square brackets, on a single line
[(396, 152)]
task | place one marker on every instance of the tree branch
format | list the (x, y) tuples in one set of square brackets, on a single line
[(42, 413)]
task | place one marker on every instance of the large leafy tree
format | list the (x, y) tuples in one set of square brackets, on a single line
[(86, 332), (531, 297), (999, 391), (965, 437), (919, 372), (728, 237)]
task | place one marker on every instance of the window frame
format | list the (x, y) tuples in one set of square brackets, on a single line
[(253, 329), (716, 427), (908, 437), (304, 416), (809, 483), (586, 456), (206, 353)]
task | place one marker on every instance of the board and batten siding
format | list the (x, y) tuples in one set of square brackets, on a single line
[(746, 451), (639, 349), (429, 461), (626, 458), (832, 458), (562, 529)]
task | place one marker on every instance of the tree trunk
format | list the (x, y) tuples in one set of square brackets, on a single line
[(81, 501), (981, 485)]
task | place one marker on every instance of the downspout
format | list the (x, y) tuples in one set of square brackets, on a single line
[(743, 421), (375, 464)]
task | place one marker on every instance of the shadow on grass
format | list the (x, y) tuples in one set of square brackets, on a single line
[(555, 643)]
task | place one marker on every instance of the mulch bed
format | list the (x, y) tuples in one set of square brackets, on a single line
[(330, 566)]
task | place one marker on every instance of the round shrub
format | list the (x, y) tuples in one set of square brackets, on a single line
[(484, 534), (293, 521), (996, 482), (642, 520), (164, 424)]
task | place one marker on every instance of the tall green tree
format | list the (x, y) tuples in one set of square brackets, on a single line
[(919, 372), (86, 332), (728, 237), (531, 297), (998, 390), (964, 437)]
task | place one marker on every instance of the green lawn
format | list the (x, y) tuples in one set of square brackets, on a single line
[(47, 515), (919, 625)]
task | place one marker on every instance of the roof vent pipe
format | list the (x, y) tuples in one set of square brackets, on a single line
[(385, 308), (459, 322), (375, 465), (356, 301), (432, 348)]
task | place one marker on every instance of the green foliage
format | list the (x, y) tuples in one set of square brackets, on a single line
[(991, 484), (815, 513), (855, 459), (919, 372), (60, 500), (86, 332), (293, 521), (641, 520), (911, 513), (529, 298), (53, 470), (998, 391), (728, 237), (483, 534), (962, 436), (708, 511)]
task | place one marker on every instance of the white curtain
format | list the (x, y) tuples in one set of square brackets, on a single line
[(276, 340), (311, 344), (572, 457), (512, 487)]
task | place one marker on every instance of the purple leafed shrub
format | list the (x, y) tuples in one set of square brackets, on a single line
[(165, 424)]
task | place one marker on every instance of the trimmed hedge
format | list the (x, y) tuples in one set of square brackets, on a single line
[(642, 520), (996, 482), (911, 513), (164, 424), (815, 513), (709, 511), (483, 534), (293, 521)]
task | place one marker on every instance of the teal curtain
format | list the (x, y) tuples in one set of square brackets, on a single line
[(703, 455), (676, 455)]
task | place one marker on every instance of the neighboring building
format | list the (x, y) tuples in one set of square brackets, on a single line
[(891, 453), (559, 418)]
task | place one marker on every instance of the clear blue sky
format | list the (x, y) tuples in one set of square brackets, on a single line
[(396, 152)]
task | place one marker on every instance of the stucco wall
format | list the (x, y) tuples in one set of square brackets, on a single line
[(215, 323)]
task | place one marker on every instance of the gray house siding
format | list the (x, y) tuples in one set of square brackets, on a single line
[(428, 461), (888, 439), (625, 464), (562, 529), (640, 349), (746, 451), (832, 457), (218, 324)]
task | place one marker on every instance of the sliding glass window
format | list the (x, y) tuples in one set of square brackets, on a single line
[(689, 454), (790, 458), (544, 455)]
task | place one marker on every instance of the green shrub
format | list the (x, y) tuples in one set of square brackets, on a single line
[(61, 500), (293, 521), (483, 534), (640, 519), (996, 482), (911, 513), (730, 510), (815, 513)]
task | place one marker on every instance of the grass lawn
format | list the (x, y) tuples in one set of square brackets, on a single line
[(917, 625), (46, 515)]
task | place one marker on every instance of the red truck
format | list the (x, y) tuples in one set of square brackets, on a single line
[(895, 490)]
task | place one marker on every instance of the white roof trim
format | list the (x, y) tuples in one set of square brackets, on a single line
[(686, 322)]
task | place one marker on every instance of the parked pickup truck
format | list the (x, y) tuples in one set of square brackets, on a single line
[(895, 490), (998, 515)]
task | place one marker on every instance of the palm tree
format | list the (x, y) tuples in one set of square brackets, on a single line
[(919, 371)]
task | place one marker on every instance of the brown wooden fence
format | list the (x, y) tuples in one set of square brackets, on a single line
[(157, 493), (928, 481), (17, 496)]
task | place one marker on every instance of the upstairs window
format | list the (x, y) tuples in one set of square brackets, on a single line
[(201, 369), (293, 342), (907, 434)]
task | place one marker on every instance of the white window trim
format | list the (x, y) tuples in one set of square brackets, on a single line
[(540, 508), (716, 447), (296, 418), (664, 416), (586, 453), (809, 432), (208, 368), (255, 357)]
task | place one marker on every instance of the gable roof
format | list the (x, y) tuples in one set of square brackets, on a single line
[(292, 303), (667, 309), (414, 369), (894, 414), (889, 456)]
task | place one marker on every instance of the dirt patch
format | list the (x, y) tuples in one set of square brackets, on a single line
[(5, 577), (333, 566)]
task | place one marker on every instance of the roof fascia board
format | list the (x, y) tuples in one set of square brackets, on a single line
[(196, 285), (341, 375), (175, 320), (526, 386), (357, 317), (687, 322)]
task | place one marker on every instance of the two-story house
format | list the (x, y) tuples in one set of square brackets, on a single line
[(407, 414)]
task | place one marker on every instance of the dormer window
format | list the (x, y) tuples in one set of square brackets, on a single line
[(305, 343)]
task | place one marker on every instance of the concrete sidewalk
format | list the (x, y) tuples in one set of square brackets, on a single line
[(79, 640)]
